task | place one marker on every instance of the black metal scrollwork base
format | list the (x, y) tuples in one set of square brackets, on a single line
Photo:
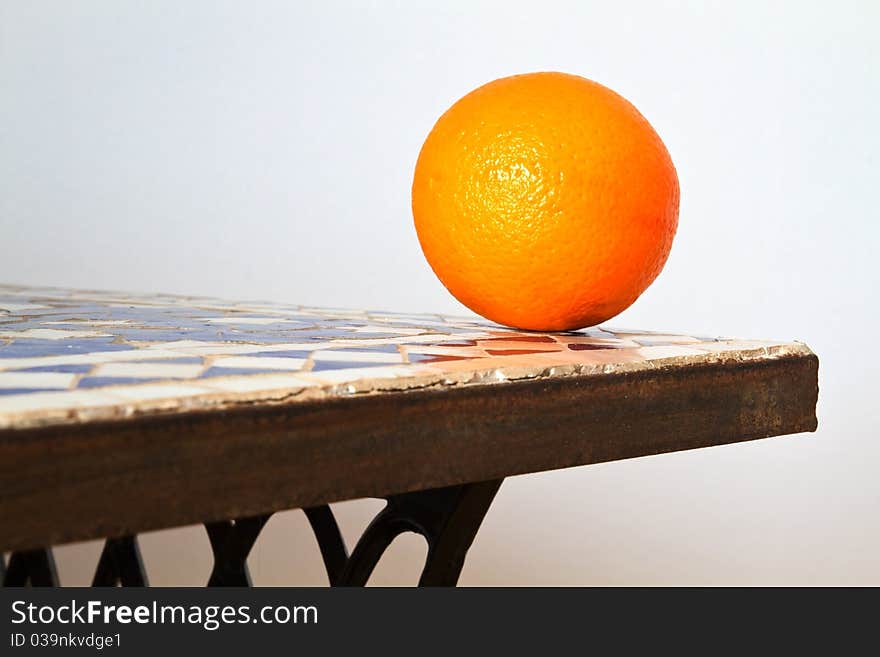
[(31, 567), (120, 563), (448, 519)]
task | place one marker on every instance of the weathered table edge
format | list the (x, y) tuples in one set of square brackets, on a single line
[(79, 482)]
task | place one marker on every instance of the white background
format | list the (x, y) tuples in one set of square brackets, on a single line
[(265, 150)]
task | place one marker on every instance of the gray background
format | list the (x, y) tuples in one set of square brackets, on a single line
[(265, 149)]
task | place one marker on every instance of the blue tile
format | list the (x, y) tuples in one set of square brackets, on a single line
[(354, 351), (25, 391), (240, 371), (281, 354), (369, 348), (321, 366), (101, 381), (167, 334), (68, 369), (32, 348), (189, 360), (323, 333), (379, 336), (259, 328), (322, 322), (23, 325)]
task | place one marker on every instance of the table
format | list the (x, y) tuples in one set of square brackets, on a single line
[(123, 413)]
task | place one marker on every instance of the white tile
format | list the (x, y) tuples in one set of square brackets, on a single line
[(660, 340), (217, 349), (628, 332), (280, 311), (182, 344), (52, 334), (94, 322), (359, 373), (426, 339), (36, 380), (149, 370), (20, 308), (298, 346), (88, 359), (389, 328), (672, 351), (342, 313), (154, 391), (357, 356), (37, 401), (197, 348), (466, 352), (458, 337), (427, 320), (737, 345), (257, 382), (259, 362), (255, 321)]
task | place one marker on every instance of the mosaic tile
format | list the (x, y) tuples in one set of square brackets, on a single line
[(517, 352), (323, 366), (667, 351), (149, 370), (152, 392), (214, 349), (51, 334), (270, 382), (78, 356), (352, 374), (89, 322), (93, 358), (70, 369), (19, 308), (436, 358), (356, 355), (607, 339), (282, 353), (169, 335), (464, 351), (22, 391), (660, 340), (36, 380), (735, 345), (235, 371), (253, 321), (107, 381), (29, 347), (55, 404), (257, 362)]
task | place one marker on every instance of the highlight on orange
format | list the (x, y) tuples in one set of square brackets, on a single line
[(545, 201)]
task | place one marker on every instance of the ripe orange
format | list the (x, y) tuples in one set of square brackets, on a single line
[(545, 201)]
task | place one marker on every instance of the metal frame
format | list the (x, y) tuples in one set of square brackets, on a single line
[(448, 518)]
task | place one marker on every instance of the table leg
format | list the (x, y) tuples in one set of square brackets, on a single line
[(448, 518), (330, 541), (120, 563), (231, 541), (34, 567)]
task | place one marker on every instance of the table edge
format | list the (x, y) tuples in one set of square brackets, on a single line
[(264, 459)]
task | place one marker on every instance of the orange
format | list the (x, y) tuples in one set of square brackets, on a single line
[(545, 201)]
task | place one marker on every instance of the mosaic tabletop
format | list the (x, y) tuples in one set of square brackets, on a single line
[(71, 356)]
